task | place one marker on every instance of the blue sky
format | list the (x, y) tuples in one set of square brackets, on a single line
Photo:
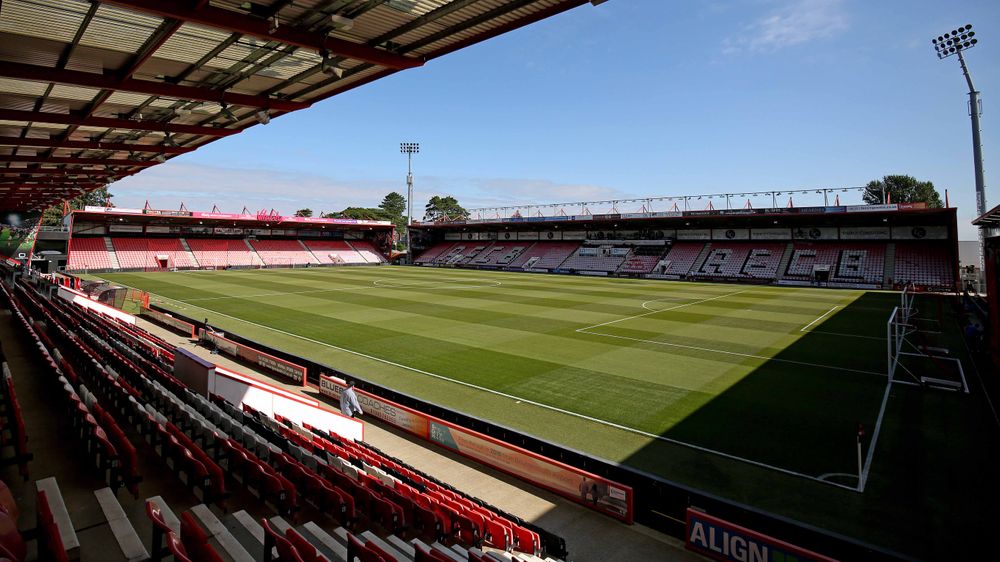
[(632, 98)]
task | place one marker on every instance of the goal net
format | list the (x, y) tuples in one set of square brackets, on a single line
[(915, 353)]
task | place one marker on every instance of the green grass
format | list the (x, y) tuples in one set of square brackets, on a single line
[(729, 388)]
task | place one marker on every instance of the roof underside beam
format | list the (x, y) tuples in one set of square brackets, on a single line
[(262, 28), (104, 82), (24, 186), (75, 160), (112, 123), (29, 174), (94, 145)]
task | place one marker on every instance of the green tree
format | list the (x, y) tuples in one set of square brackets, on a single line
[(360, 213), (902, 189), (100, 197), (304, 213), (394, 204), (441, 207)]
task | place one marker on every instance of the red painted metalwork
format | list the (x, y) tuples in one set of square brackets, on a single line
[(237, 22), (77, 160), (113, 123), (103, 82), (95, 145)]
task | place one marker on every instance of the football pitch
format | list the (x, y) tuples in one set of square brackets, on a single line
[(673, 361), (732, 388)]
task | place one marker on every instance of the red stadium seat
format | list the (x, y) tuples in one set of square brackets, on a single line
[(274, 540)]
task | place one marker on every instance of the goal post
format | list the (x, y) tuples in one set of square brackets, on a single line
[(906, 300), (911, 357)]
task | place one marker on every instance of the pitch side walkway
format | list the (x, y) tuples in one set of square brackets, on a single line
[(589, 535)]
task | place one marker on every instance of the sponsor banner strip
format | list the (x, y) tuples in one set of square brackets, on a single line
[(287, 369), (595, 492), (168, 320), (721, 540)]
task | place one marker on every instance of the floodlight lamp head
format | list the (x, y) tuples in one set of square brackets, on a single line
[(954, 41)]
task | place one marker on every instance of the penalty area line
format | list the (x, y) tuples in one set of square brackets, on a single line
[(820, 317)]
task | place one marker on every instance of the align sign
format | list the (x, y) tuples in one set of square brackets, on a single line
[(722, 540)]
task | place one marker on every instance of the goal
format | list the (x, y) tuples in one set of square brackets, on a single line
[(914, 355)]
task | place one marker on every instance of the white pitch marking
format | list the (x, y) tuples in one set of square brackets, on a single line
[(661, 310), (820, 317)]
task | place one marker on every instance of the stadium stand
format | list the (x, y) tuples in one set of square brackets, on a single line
[(88, 253), (741, 261), (850, 263), (112, 376), (641, 260), (544, 255), (606, 258), (136, 253), (223, 252), (501, 254), (682, 257), (432, 253), (334, 252), (283, 252), (923, 264), (367, 251), (455, 254)]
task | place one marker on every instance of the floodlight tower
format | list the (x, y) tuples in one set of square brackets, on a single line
[(409, 149), (955, 42)]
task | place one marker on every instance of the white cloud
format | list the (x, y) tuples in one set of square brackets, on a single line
[(793, 23)]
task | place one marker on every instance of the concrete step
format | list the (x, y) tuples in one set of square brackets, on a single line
[(247, 531), (324, 542), (128, 540)]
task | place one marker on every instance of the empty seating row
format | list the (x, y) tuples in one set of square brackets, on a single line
[(283, 252), (846, 262), (501, 254), (432, 253), (682, 256), (103, 440), (13, 433), (924, 264), (145, 253), (88, 253), (639, 263), (544, 255), (223, 252), (335, 252), (367, 251), (756, 260), (589, 258)]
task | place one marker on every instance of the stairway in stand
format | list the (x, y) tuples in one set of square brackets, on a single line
[(111, 253), (194, 260)]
